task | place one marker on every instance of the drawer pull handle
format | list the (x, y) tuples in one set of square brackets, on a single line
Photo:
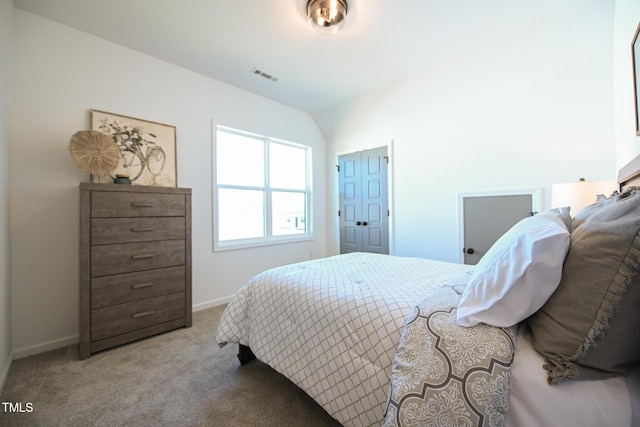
[(140, 230), (142, 256), (142, 285), (146, 313), (141, 205)]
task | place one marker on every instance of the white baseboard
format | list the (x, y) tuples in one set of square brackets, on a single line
[(212, 303), (46, 346), (73, 339)]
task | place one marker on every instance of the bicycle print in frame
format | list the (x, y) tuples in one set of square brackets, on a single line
[(147, 149)]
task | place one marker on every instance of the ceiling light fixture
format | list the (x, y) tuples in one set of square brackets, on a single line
[(326, 16)]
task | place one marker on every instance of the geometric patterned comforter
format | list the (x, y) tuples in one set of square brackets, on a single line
[(333, 325)]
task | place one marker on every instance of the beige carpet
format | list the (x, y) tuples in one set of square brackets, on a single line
[(180, 378)]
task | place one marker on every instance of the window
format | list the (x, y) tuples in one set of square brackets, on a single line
[(262, 190)]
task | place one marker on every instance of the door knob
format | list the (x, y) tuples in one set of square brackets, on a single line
[(364, 222), (358, 223), (470, 251)]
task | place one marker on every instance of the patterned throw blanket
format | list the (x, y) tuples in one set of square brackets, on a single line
[(447, 375)]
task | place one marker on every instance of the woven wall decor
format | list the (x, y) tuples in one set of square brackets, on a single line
[(94, 152)]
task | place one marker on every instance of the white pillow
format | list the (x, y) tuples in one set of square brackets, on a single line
[(518, 273)]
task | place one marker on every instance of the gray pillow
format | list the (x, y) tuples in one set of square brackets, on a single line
[(589, 327)]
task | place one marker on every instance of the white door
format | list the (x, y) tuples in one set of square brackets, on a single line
[(364, 206), (486, 218)]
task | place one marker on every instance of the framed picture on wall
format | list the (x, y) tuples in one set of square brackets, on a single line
[(147, 149), (635, 55)]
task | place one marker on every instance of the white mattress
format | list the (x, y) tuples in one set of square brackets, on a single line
[(534, 403)]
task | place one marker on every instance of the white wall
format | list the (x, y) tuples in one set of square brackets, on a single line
[(531, 108), (627, 17), (6, 37), (60, 74)]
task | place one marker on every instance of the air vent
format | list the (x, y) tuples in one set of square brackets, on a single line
[(261, 73)]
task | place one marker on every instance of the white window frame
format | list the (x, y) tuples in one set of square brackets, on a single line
[(268, 238)]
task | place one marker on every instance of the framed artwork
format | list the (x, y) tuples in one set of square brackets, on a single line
[(635, 55), (147, 149)]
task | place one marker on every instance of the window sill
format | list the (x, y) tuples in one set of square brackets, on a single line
[(256, 243)]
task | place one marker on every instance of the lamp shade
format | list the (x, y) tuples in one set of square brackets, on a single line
[(578, 195), (326, 16)]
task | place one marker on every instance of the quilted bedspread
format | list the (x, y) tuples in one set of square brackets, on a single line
[(333, 325)]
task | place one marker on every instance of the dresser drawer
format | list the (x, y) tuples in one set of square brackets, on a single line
[(121, 230), (129, 287), (112, 204), (129, 257), (123, 318)]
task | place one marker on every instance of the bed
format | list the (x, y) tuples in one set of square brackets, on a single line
[(543, 331)]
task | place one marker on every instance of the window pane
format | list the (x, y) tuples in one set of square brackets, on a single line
[(240, 214), (287, 167), (240, 160), (289, 213)]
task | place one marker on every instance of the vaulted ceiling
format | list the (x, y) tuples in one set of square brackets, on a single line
[(383, 40)]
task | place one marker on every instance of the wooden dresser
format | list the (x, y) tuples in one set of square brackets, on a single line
[(135, 263)]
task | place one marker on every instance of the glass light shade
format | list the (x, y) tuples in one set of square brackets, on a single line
[(579, 195), (326, 16)]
